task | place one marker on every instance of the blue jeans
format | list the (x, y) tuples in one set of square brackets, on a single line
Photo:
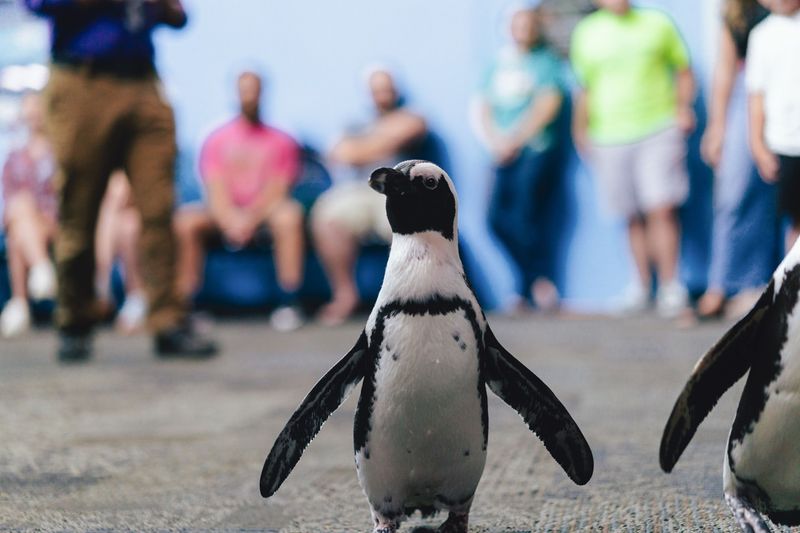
[(517, 212), (746, 235)]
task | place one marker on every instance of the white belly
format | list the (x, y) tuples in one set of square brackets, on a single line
[(770, 454), (425, 445)]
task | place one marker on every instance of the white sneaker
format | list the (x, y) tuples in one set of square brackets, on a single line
[(635, 298), (133, 314), (15, 318), (286, 318), (672, 299), (42, 281)]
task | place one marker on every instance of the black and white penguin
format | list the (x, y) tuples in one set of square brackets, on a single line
[(761, 471), (426, 356)]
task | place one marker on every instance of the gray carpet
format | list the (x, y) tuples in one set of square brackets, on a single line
[(128, 443)]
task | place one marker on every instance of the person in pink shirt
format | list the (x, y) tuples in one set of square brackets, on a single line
[(248, 169), (29, 220)]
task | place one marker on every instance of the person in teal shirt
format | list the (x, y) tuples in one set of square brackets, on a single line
[(632, 114), (519, 102)]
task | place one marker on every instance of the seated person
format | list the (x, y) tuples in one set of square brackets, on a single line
[(350, 211), (118, 229), (248, 169), (29, 220)]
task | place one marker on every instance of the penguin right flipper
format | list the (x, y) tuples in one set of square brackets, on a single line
[(326, 396), (722, 366), (515, 384)]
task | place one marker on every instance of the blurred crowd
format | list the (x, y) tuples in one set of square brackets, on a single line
[(93, 185)]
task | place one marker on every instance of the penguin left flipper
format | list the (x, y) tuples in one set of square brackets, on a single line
[(515, 384), (722, 366), (326, 396)]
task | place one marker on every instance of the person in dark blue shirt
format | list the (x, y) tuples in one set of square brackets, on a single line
[(107, 110)]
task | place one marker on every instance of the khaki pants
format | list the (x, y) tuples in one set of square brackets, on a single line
[(98, 123)]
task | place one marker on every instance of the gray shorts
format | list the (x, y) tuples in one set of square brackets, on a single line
[(355, 207), (638, 177)]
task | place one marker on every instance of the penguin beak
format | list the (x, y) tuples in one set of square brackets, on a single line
[(389, 181)]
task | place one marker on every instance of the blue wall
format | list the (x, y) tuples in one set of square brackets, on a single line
[(314, 53)]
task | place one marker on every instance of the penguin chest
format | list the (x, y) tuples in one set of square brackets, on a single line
[(769, 454), (426, 440)]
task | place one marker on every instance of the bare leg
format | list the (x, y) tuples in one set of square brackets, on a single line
[(337, 249), (711, 303), (128, 231), (637, 238), (663, 234), (746, 516), (29, 229), (104, 245), (191, 227), (286, 226), (17, 269)]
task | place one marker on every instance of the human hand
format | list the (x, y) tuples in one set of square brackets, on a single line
[(767, 163), (238, 229), (505, 150), (685, 119), (711, 145)]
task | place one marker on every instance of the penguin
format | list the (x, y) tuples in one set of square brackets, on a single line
[(425, 357), (761, 469)]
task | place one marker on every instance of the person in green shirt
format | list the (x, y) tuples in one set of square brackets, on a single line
[(520, 99), (632, 113)]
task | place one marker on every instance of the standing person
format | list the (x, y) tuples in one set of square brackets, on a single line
[(632, 113), (519, 102), (745, 232), (350, 212), (248, 169), (29, 220), (106, 110), (773, 88)]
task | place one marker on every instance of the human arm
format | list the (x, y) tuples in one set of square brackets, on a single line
[(580, 122), (724, 79), (499, 144), (273, 193), (765, 160), (685, 87), (676, 55), (232, 221), (540, 114), (758, 81), (582, 68), (236, 224), (279, 176), (390, 135), (7, 184)]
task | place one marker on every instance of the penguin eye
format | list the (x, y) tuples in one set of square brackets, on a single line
[(430, 182)]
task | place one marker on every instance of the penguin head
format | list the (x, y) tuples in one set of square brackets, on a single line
[(420, 197)]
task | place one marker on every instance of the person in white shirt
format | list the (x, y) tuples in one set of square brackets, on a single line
[(773, 86)]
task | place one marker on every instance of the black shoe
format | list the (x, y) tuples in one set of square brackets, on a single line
[(183, 341), (74, 347)]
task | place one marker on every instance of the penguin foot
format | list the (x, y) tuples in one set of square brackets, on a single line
[(383, 524), (455, 523), (746, 516)]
